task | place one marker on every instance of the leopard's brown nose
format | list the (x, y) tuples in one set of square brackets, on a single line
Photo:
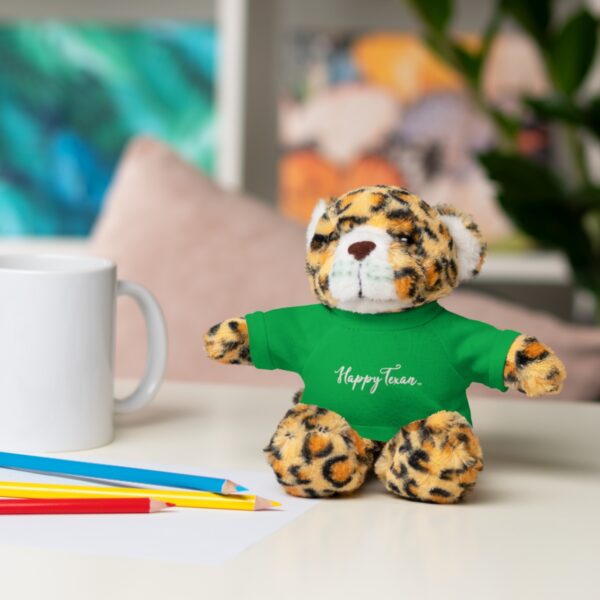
[(361, 250)]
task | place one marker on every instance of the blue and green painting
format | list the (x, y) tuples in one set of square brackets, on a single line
[(73, 94)]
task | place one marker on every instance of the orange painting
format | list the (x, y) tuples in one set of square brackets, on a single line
[(306, 176), (363, 109)]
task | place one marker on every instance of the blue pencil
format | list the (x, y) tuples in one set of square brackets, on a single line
[(59, 466)]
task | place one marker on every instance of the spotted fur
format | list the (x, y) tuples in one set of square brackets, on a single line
[(436, 459), (314, 453), (532, 368), (228, 343), (423, 254)]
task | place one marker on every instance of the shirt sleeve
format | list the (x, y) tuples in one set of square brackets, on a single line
[(281, 338), (477, 350)]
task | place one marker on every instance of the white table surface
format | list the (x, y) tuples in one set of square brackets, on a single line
[(531, 528)]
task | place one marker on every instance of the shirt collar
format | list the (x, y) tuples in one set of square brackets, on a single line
[(412, 317)]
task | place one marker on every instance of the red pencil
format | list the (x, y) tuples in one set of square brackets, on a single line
[(78, 506)]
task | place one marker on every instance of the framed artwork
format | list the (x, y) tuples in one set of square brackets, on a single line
[(73, 94), (380, 107)]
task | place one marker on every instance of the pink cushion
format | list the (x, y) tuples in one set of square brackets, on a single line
[(204, 253)]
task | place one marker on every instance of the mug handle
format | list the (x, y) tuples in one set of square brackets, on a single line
[(156, 362)]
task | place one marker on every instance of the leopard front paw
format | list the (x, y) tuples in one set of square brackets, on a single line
[(533, 368), (228, 342)]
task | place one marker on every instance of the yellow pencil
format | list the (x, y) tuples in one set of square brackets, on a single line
[(188, 499)]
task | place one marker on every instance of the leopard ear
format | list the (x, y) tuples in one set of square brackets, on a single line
[(317, 213), (469, 243)]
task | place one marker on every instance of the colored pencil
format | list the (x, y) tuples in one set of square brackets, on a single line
[(183, 498), (80, 506), (59, 466)]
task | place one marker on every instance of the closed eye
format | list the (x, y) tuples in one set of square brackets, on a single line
[(319, 240)]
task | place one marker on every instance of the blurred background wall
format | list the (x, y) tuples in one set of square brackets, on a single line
[(286, 100)]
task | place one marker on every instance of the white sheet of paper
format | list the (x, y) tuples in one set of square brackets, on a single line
[(183, 535)]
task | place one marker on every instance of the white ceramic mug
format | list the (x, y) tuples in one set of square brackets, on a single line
[(57, 323)]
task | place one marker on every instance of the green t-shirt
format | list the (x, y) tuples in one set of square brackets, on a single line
[(381, 371)]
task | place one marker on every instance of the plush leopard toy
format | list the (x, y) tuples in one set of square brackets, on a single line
[(385, 367)]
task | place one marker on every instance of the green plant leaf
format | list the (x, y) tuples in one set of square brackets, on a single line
[(522, 177), (436, 44), (556, 108), (435, 13), (509, 124), (565, 110), (469, 63), (587, 198), (533, 15), (591, 224), (591, 118), (491, 30), (537, 202), (572, 50)]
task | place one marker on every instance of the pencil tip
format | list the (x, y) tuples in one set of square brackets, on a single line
[(264, 503), (157, 505), (229, 487)]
